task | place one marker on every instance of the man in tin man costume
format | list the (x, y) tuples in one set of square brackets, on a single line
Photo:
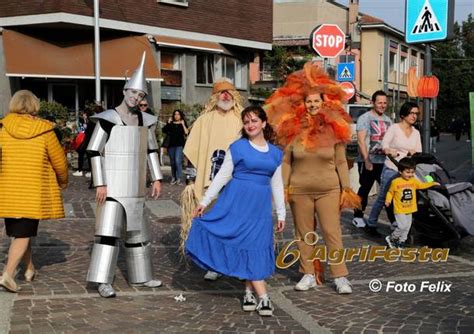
[(122, 144)]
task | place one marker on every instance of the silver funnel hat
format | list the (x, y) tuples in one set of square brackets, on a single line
[(137, 81)]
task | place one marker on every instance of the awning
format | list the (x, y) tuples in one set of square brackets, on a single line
[(27, 56), (174, 42)]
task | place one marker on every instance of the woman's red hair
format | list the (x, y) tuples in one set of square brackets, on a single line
[(287, 113)]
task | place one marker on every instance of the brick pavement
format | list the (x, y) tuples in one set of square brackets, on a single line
[(60, 301)]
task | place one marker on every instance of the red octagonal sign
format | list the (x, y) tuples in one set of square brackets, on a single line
[(328, 40)]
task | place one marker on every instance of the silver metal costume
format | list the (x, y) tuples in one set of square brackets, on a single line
[(121, 166), (119, 162)]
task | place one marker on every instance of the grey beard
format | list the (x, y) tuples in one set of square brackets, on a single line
[(225, 105)]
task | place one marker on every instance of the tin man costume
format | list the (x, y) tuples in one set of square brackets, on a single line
[(119, 152)]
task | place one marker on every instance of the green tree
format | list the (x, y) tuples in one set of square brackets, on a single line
[(284, 61), (454, 66), (53, 111), (467, 33)]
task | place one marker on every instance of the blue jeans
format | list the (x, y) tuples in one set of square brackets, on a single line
[(388, 175), (176, 159)]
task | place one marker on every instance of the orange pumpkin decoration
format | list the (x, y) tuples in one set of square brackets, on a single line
[(412, 82), (428, 86)]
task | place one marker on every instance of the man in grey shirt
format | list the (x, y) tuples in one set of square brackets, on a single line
[(371, 128)]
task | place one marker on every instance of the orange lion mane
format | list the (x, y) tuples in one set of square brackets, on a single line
[(287, 113)]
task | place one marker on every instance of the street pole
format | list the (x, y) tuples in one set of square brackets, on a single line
[(97, 53), (427, 104), (471, 108)]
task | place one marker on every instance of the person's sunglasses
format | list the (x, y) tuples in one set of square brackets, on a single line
[(143, 105)]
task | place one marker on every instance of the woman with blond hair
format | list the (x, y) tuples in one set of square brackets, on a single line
[(33, 170)]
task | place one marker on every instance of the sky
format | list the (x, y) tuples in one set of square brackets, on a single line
[(393, 11)]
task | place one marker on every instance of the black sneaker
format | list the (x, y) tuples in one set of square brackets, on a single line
[(401, 245), (372, 231), (265, 308), (249, 303), (392, 243)]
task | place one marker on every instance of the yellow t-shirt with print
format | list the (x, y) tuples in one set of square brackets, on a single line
[(403, 193)]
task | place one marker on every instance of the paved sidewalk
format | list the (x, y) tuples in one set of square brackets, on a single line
[(60, 301)]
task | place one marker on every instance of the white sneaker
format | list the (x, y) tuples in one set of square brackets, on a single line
[(307, 282), (154, 283), (106, 290), (88, 174), (77, 173), (343, 286), (358, 222), (212, 276)]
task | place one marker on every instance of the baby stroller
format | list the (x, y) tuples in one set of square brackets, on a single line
[(446, 212)]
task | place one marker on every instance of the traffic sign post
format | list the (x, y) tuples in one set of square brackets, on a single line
[(428, 20), (345, 72), (327, 40)]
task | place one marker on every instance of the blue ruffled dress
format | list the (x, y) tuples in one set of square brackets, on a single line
[(235, 237)]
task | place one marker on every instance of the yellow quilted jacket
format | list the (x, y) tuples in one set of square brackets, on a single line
[(33, 167)]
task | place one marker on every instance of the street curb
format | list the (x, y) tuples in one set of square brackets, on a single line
[(6, 305)]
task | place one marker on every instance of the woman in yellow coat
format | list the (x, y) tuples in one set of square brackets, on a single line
[(33, 170)]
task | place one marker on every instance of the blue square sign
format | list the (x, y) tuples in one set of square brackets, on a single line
[(428, 20), (345, 72)]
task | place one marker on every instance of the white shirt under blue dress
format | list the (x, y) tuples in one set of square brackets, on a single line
[(235, 237)]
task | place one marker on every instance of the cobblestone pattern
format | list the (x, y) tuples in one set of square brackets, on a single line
[(60, 300), (390, 312), (150, 314)]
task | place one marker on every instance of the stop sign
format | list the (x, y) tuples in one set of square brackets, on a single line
[(328, 40)]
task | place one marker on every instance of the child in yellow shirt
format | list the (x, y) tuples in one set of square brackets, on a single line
[(403, 193)]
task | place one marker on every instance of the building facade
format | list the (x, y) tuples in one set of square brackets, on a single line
[(47, 46)]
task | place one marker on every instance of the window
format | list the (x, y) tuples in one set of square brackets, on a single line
[(183, 3), (169, 61), (393, 45), (392, 69), (205, 69), (212, 67), (66, 94), (403, 70), (413, 58), (228, 68), (347, 59)]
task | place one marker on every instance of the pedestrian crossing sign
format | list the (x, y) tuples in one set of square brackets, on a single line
[(345, 72), (428, 20)]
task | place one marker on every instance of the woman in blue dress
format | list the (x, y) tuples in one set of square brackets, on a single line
[(235, 237)]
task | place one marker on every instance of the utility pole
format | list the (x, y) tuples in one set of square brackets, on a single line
[(98, 98), (427, 103)]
